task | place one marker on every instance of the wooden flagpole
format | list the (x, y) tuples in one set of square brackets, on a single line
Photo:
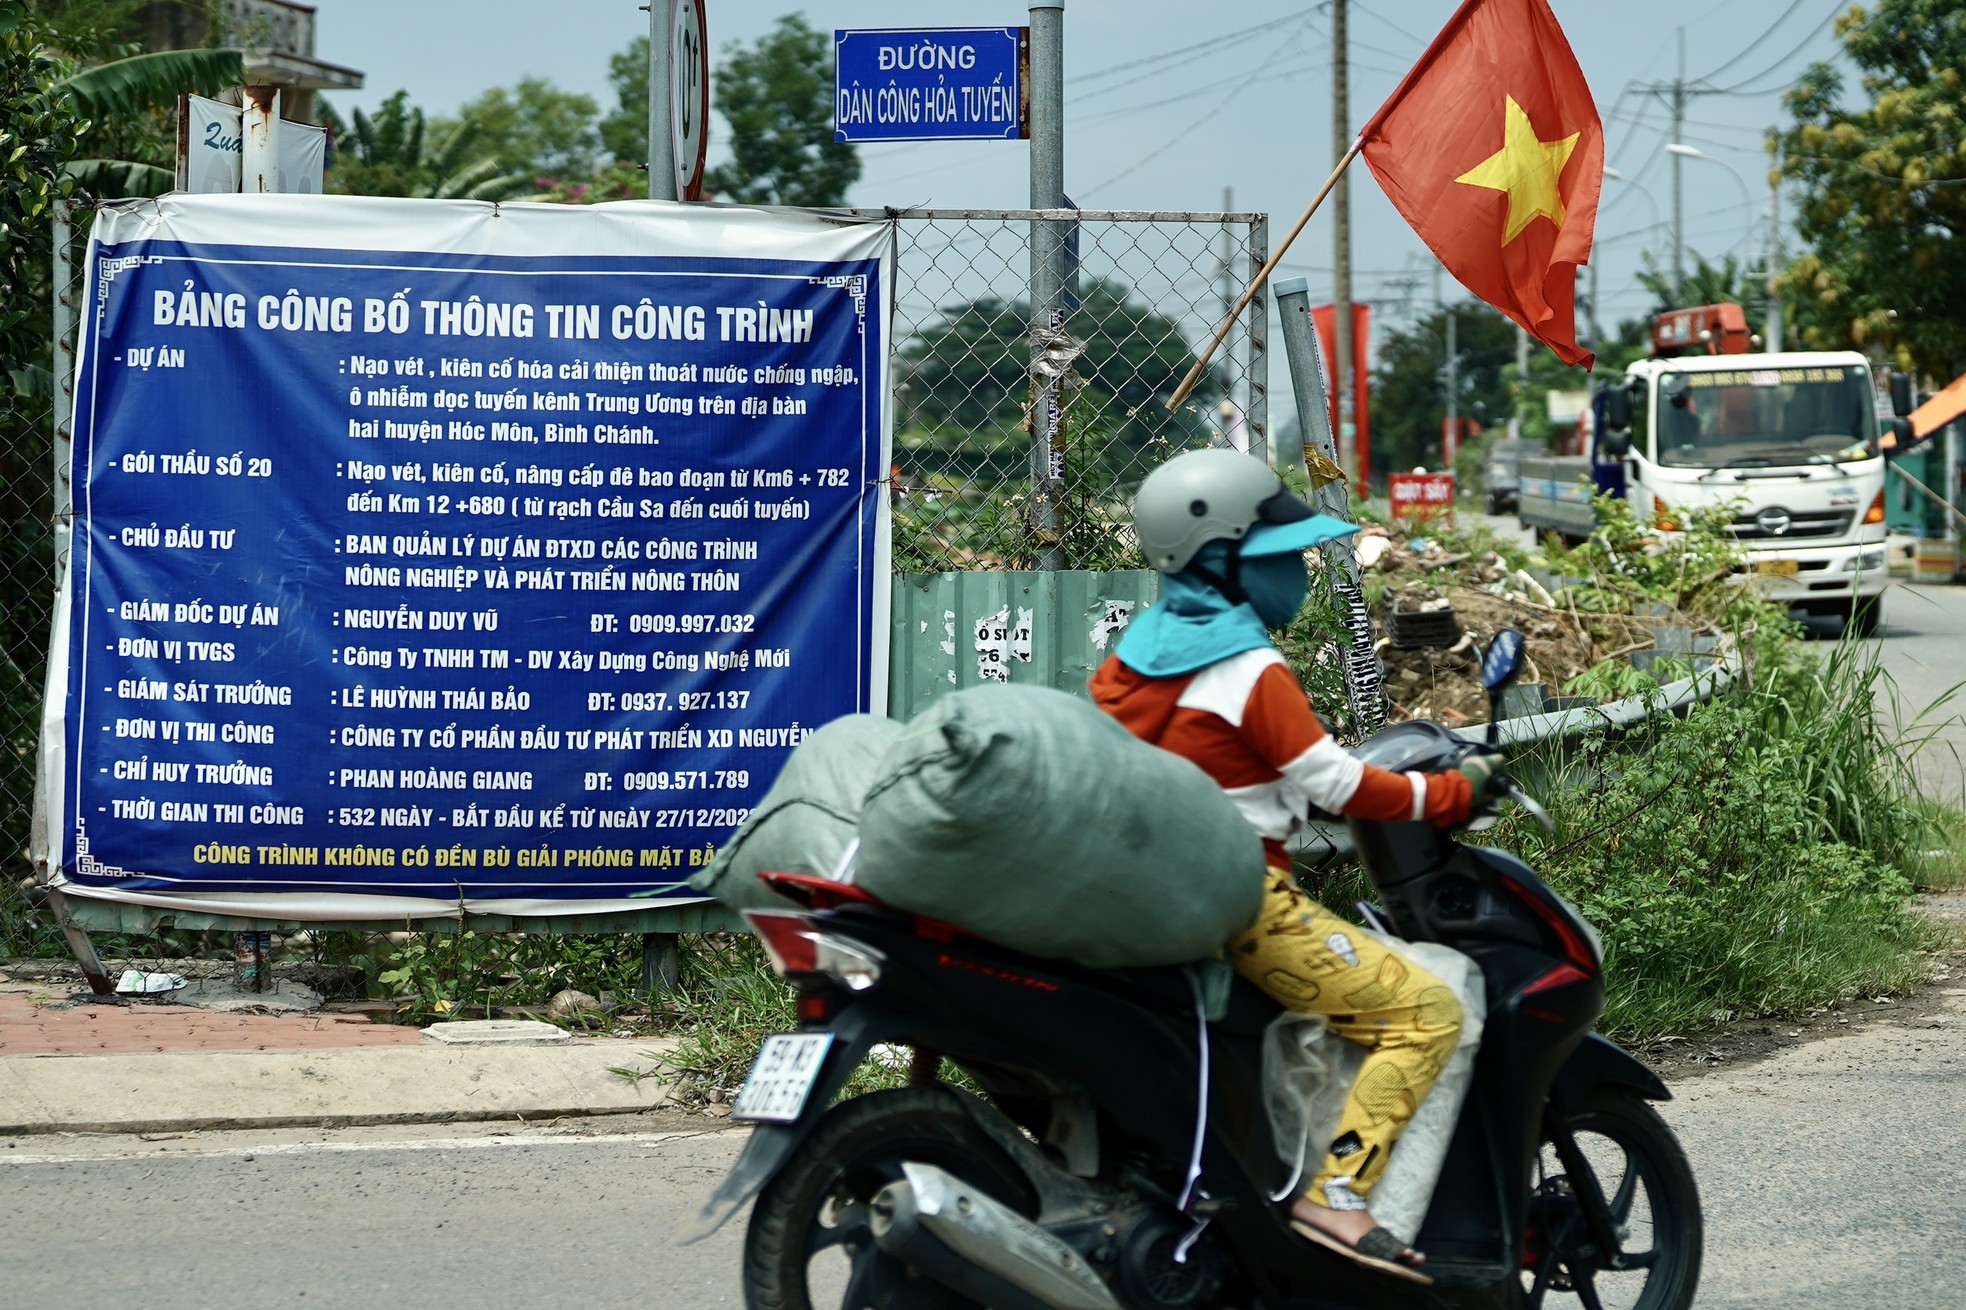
[(1263, 275)]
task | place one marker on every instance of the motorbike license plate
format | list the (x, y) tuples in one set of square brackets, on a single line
[(1779, 568), (782, 1078)]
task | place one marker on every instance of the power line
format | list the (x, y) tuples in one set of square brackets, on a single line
[(1737, 88), (1227, 38), (1754, 44), (1224, 103)]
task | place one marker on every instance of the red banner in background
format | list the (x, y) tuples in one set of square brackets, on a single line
[(1325, 319)]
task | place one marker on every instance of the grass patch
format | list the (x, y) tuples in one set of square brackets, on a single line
[(730, 1001), (1939, 865)]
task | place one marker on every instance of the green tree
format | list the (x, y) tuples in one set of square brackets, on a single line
[(126, 97), (777, 96), (625, 130), (1704, 284), (1408, 402), (971, 371), (390, 154), (1883, 200), (534, 130), (40, 132)]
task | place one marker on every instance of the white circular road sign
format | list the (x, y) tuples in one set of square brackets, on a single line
[(689, 96)]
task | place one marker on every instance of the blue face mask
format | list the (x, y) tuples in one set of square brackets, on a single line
[(1276, 586)]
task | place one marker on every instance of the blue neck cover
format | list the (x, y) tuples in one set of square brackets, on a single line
[(1192, 626)]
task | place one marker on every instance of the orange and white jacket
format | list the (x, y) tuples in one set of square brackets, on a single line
[(1247, 723)]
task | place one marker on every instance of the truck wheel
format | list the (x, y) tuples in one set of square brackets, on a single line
[(1866, 614)]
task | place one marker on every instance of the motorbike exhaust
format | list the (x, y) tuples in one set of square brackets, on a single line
[(981, 1248)]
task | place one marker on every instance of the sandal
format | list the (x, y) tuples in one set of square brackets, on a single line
[(1378, 1249)]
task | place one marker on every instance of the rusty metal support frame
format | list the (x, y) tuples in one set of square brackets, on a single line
[(259, 158), (63, 362), (1256, 414)]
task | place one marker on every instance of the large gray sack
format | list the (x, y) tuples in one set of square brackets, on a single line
[(1028, 817), (806, 821)]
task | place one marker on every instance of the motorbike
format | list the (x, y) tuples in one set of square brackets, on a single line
[(1120, 1157)]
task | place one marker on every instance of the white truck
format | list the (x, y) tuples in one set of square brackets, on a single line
[(1788, 441)]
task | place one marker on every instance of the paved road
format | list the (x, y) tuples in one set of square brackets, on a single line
[(1830, 1175), (394, 1218), (1923, 644)]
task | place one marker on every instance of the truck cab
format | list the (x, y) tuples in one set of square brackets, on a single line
[(1789, 442)]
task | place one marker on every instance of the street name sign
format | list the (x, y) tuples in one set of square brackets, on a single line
[(931, 84)]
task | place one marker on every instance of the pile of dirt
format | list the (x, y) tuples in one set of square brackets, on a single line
[(1420, 582)]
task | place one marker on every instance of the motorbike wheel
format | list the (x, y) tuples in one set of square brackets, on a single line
[(809, 1230), (1637, 1166)]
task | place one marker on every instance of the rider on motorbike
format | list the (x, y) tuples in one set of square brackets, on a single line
[(1198, 675)]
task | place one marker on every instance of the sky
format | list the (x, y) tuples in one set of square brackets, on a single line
[(1165, 108)]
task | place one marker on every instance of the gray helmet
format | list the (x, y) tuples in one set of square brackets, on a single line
[(1208, 495)]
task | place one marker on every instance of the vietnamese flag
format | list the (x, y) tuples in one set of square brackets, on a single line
[(1493, 151)]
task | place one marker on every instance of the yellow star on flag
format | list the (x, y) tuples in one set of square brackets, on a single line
[(1527, 169)]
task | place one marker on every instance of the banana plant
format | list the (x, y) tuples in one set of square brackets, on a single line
[(137, 85), (391, 153)]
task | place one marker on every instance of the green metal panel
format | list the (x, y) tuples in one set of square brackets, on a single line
[(956, 630), (1906, 509)]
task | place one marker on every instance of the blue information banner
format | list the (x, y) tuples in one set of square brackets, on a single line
[(930, 84), (435, 551)]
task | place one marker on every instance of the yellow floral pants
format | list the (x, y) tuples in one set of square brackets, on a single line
[(1308, 959)]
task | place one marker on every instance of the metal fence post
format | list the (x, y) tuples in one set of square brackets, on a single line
[(662, 141), (1257, 417), (1047, 153), (1364, 678), (662, 964), (41, 839)]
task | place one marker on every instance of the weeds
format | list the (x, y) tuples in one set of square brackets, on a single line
[(435, 975), (1755, 858), (1940, 863), (731, 1001)]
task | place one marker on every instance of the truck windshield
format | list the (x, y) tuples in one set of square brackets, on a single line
[(1758, 417)]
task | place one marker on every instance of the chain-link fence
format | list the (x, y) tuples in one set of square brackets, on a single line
[(1023, 421), (32, 398)]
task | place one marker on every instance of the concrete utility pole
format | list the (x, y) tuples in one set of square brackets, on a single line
[(1341, 250), (1774, 270), (1047, 158), (1678, 116), (662, 140), (1676, 94), (662, 957), (1521, 379), (1450, 431)]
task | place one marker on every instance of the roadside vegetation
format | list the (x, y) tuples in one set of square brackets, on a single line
[(1759, 854)]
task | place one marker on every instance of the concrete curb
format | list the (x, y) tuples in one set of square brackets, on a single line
[(349, 1087)]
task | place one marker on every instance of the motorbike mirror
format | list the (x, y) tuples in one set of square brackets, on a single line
[(1502, 659)]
